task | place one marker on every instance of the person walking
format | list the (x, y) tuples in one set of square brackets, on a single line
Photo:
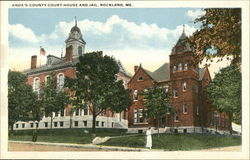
[(149, 138)]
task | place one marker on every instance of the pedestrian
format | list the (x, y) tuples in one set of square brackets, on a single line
[(149, 138)]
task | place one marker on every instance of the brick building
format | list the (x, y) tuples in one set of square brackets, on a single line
[(186, 83), (64, 66)]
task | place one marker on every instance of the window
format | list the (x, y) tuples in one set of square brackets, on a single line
[(166, 88), (138, 115), (47, 78), (36, 84), (31, 125), (46, 124), (124, 114), (37, 125), (85, 109), (185, 108), (60, 81), (61, 124), (85, 123), (97, 123), (180, 67), (77, 112), (76, 123), (184, 86), (174, 68), (23, 125), (175, 93), (16, 125), (112, 124), (102, 124), (176, 117), (185, 66), (79, 50), (55, 124), (197, 110), (135, 95), (140, 78), (62, 113)]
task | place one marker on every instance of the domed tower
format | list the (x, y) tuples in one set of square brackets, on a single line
[(76, 41)]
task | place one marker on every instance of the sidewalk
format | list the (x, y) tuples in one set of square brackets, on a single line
[(92, 147)]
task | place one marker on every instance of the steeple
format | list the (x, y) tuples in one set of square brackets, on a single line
[(75, 40), (182, 44)]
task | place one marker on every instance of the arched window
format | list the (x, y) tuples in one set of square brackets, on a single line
[(79, 50), (180, 67), (36, 84), (60, 81), (46, 79)]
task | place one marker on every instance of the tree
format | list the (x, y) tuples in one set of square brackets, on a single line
[(96, 85), (219, 34), (224, 92), (52, 97), (22, 100), (156, 102)]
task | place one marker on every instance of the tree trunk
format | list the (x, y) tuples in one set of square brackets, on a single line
[(230, 123), (51, 121), (70, 120), (11, 129), (34, 136), (158, 127), (94, 120)]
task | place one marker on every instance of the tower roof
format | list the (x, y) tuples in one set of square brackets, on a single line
[(182, 44)]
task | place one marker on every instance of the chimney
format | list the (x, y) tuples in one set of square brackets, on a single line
[(33, 61), (69, 54), (135, 68)]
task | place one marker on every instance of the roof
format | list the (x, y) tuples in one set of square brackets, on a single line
[(61, 63), (183, 41), (160, 74)]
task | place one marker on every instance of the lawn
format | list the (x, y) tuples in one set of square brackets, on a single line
[(74, 135), (173, 142), (170, 142)]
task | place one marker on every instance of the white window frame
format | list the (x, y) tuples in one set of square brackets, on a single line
[(135, 95), (176, 116), (60, 84), (185, 67), (180, 67), (184, 86), (174, 68), (185, 108), (175, 93), (35, 87)]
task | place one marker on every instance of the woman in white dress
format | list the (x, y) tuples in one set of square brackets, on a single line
[(149, 138)]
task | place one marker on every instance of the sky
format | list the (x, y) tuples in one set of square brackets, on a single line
[(132, 35)]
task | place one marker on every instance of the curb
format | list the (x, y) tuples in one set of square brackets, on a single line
[(100, 147)]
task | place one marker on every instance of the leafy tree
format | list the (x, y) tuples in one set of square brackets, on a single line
[(96, 85), (224, 92), (52, 98), (22, 100), (219, 34), (156, 102)]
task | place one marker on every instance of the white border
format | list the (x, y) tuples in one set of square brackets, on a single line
[(244, 154)]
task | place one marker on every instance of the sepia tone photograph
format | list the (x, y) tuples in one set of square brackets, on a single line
[(102, 77)]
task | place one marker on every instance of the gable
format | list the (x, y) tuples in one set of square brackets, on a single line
[(141, 73)]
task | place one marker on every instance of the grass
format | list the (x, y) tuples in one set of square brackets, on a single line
[(170, 142), (74, 135), (173, 142)]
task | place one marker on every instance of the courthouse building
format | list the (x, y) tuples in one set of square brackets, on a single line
[(64, 66), (185, 82)]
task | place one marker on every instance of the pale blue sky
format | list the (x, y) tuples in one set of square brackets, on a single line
[(131, 35)]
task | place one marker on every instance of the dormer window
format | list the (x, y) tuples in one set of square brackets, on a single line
[(185, 66), (49, 61), (140, 78), (180, 67)]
